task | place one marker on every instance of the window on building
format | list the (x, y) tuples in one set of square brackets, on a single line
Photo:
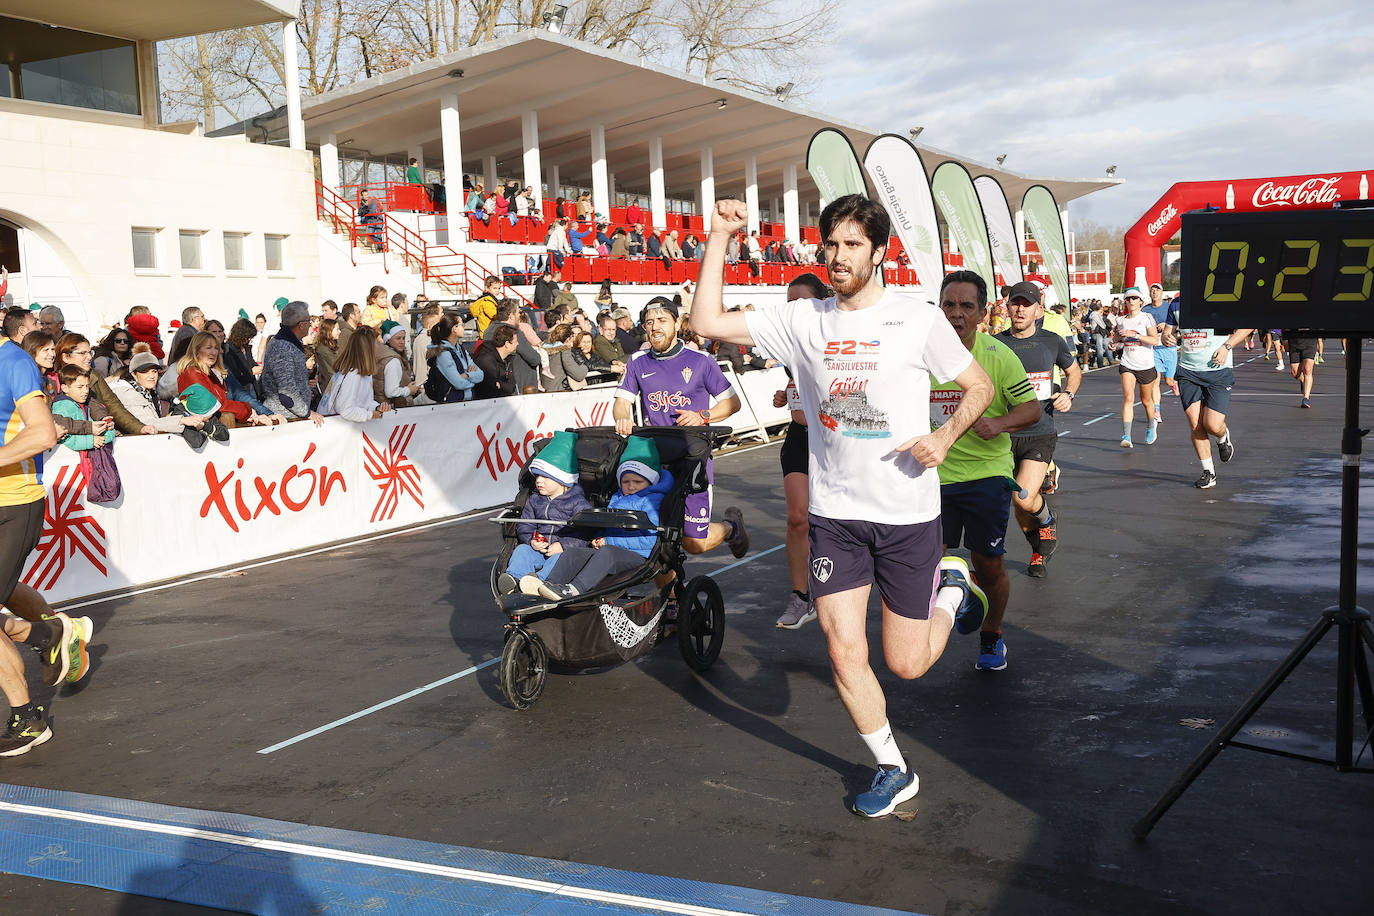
[(233, 251), (69, 67), (145, 249), (192, 257), (273, 251)]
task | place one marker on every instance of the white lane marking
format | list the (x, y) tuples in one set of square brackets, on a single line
[(1066, 432), (358, 858), (1099, 419)]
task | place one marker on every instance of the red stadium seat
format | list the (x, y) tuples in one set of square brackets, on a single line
[(615, 270)]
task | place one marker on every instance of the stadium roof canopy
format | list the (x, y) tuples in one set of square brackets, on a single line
[(151, 20), (572, 86)]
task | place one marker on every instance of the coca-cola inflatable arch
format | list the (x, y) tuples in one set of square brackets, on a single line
[(1296, 192)]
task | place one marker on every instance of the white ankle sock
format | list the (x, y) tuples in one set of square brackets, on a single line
[(1208, 466), (948, 599), (883, 747)]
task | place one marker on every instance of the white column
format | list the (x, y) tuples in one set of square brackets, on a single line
[(295, 126), (555, 180), (658, 196), (529, 135), (601, 181), (708, 187), (751, 192), (451, 141), (329, 161), (489, 172), (1064, 221), (417, 152), (791, 222)]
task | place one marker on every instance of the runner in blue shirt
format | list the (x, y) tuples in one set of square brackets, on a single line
[(1165, 315), (679, 386)]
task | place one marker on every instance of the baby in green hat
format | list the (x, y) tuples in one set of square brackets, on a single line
[(557, 497)]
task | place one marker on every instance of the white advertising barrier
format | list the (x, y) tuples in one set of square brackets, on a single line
[(274, 490), (756, 412)]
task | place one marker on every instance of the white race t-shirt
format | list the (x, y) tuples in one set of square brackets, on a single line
[(1137, 355), (863, 380)]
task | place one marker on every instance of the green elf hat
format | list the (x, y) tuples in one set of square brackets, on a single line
[(640, 457), (558, 459), (243, 313), (199, 401), (281, 303), (390, 329), (35, 307)]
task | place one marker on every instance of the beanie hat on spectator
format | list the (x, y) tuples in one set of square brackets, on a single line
[(199, 401), (243, 313), (390, 329), (281, 303), (558, 459), (640, 457), (144, 359)]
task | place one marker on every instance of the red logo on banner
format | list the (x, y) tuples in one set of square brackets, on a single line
[(595, 417), (502, 453), (272, 495), (67, 530), (393, 471)]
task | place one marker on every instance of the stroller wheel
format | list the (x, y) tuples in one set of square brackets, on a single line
[(700, 622), (524, 666)]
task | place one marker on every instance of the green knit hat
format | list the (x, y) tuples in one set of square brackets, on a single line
[(390, 328), (640, 457), (558, 459), (281, 303), (199, 401)]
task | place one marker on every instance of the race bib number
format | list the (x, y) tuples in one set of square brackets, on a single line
[(1041, 383), (793, 397), (942, 406), (1196, 341)]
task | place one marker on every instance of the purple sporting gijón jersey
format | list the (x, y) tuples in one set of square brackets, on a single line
[(686, 380)]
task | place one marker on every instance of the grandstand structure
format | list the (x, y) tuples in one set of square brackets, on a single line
[(106, 206)]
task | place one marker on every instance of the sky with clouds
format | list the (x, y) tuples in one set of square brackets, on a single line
[(1166, 91)]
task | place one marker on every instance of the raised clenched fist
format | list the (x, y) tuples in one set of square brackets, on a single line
[(730, 216)]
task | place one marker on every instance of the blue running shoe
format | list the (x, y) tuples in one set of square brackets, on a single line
[(968, 618), (890, 788), (992, 656), (1126, 442), (1150, 436)]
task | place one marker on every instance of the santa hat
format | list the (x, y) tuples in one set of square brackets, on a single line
[(558, 459), (390, 329), (640, 457)]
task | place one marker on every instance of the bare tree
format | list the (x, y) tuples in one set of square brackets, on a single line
[(751, 44), (1093, 236)]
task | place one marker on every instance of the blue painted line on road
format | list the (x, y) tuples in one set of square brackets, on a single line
[(255, 865), (380, 706)]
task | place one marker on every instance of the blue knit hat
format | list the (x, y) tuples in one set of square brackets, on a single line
[(639, 457), (558, 459)]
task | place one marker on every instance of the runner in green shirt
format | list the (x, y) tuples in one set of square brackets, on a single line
[(975, 485)]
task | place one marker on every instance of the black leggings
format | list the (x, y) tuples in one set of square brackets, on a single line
[(587, 567)]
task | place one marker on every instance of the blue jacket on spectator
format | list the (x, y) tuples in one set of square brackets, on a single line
[(648, 501), (452, 364), (576, 239), (285, 380), (558, 509)]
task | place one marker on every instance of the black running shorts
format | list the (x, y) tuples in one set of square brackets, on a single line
[(904, 560), (20, 529), (1143, 376), (794, 456), (1033, 448)]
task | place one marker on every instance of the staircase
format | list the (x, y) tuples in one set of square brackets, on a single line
[(398, 247)]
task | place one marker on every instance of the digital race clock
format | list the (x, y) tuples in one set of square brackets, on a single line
[(1311, 269)]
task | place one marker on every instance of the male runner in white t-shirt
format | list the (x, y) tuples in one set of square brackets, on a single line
[(862, 362)]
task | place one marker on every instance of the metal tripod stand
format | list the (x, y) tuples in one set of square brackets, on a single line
[(1350, 622)]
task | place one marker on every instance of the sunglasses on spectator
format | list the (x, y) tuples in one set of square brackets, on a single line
[(1134, 299)]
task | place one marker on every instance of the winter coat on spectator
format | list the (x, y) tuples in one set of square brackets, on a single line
[(483, 308), (457, 368), (671, 249), (389, 361), (103, 403), (553, 377), (620, 245), (577, 239), (653, 246), (497, 380), (544, 291), (349, 395), (633, 214), (324, 363), (554, 509), (180, 341), (557, 240), (66, 407), (608, 349), (144, 329), (106, 366), (574, 367), (689, 250), (636, 243), (568, 299), (211, 382), (146, 406), (285, 380), (525, 363)]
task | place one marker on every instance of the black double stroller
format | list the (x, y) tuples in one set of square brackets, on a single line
[(628, 614)]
